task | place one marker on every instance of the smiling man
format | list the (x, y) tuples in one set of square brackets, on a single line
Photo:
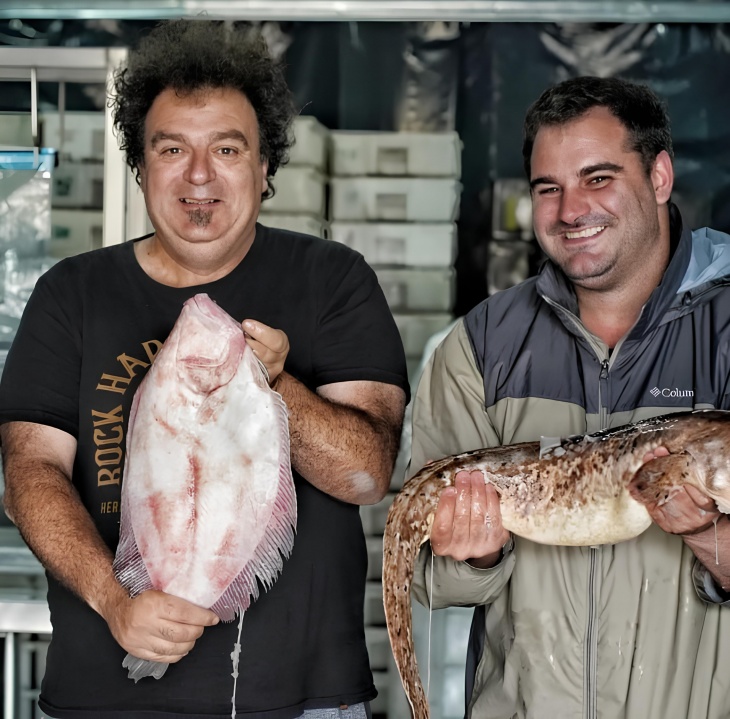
[(629, 318), (203, 114)]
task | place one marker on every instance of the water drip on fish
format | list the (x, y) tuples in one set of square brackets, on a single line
[(572, 492), (208, 501)]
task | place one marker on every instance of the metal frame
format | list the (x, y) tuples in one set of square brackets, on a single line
[(122, 206), (710, 11)]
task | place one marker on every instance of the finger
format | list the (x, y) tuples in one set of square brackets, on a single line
[(481, 520), (700, 499), (179, 611), (271, 338), (462, 510), (443, 521)]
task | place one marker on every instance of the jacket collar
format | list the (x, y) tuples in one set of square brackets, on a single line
[(554, 286)]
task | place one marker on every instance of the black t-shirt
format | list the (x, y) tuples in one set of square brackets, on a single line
[(89, 333)]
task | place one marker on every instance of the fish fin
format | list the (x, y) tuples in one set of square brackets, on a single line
[(141, 668), (278, 540), (129, 567)]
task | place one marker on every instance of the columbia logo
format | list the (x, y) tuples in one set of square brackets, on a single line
[(667, 392)]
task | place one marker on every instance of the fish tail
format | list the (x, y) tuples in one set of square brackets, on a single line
[(407, 528), (140, 668)]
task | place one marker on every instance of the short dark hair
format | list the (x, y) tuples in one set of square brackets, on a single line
[(188, 56), (638, 108)]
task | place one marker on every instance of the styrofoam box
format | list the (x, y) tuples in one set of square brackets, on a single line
[(378, 644), (402, 199), (298, 190), (83, 134), (424, 290), (78, 184), (410, 154), (414, 244), (416, 329), (75, 231), (375, 557), (374, 608), (373, 516), (311, 143), (307, 224)]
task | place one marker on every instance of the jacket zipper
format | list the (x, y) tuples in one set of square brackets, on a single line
[(590, 647)]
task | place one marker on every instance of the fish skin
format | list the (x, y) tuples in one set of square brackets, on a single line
[(575, 494), (208, 498)]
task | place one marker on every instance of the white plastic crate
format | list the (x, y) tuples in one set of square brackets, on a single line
[(423, 290), (311, 143), (403, 199), (307, 224), (74, 231), (413, 154), (415, 244), (299, 190), (83, 134), (416, 329), (78, 184)]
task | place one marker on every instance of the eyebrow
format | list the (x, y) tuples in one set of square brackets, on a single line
[(584, 172), (161, 135)]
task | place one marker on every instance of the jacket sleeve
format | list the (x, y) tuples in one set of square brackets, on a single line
[(449, 417)]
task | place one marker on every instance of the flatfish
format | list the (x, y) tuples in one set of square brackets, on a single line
[(575, 492), (208, 501)]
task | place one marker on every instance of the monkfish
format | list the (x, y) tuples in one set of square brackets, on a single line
[(208, 501), (567, 492)]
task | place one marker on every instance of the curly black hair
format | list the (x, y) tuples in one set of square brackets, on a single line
[(637, 107), (191, 55)]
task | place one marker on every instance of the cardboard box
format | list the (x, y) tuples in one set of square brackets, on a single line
[(306, 224), (404, 199), (299, 190), (75, 231), (400, 243), (423, 290), (311, 143), (402, 154)]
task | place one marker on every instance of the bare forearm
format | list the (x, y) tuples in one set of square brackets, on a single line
[(59, 530), (712, 548), (342, 450)]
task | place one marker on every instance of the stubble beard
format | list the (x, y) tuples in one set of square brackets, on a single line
[(200, 218)]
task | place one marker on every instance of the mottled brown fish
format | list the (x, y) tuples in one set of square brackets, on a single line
[(574, 493)]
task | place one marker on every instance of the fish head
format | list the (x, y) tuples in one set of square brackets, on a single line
[(210, 345)]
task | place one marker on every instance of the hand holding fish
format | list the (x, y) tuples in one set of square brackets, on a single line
[(683, 510), (468, 522), (271, 346), (158, 627)]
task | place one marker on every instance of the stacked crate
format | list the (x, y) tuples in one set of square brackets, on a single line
[(394, 197), (299, 202)]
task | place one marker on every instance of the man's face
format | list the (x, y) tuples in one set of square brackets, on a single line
[(202, 175), (595, 210)]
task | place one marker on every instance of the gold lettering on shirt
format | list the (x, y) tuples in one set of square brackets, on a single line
[(111, 417), (110, 507), (152, 348), (114, 383)]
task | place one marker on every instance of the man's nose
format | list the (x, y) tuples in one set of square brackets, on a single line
[(200, 168), (573, 204)]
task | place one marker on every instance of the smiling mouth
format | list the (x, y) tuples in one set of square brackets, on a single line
[(585, 232), (191, 201)]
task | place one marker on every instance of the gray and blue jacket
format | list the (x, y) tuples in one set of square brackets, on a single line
[(634, 630)]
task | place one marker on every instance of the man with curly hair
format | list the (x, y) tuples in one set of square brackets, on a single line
[(203, 114)]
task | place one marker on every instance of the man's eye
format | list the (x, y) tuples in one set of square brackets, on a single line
[(599, 180), (171, 151), (227, 150), (547, 191)]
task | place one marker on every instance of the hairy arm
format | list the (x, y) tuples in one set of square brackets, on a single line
[(344, 437), (44, 505)]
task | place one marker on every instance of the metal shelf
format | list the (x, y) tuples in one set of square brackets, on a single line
[(710, 11)]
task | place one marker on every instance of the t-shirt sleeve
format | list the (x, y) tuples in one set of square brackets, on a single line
[(356, 337), (40, 381)]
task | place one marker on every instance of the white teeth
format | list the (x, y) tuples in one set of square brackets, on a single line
[(587, 232), (196, 202)]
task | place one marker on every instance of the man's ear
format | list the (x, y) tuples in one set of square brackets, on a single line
[(662, 177)]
